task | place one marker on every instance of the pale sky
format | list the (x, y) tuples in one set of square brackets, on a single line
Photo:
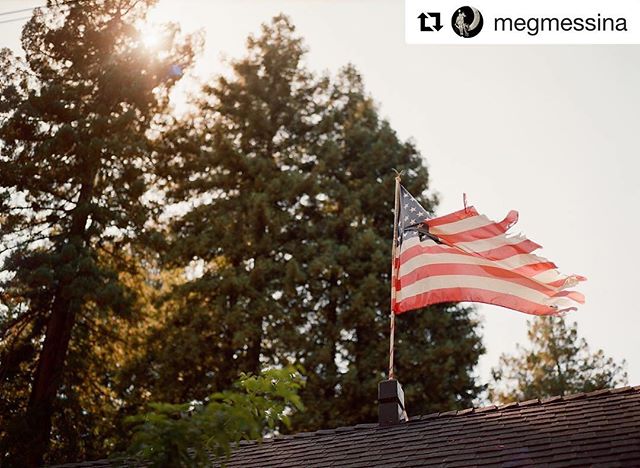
[(550, 131)]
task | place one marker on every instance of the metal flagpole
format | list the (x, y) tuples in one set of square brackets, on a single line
[(392, 317)]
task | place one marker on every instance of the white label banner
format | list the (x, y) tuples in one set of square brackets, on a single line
[(522, 22)]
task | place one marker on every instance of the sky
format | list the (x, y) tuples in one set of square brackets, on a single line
[(550, 131)]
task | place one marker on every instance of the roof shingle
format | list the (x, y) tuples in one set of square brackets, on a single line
[(601, 428)]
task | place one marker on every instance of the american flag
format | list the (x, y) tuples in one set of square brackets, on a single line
[(465, 256)]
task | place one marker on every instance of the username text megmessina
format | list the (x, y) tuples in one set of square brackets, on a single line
[(534, 26)]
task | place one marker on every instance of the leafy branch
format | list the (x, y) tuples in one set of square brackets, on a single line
[(189, 434)]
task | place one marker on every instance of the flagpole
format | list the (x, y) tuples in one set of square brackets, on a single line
[(392, 316)]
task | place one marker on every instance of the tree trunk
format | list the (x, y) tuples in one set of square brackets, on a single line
[(255, 349), (46, 383), (332, 334), (31, 447)]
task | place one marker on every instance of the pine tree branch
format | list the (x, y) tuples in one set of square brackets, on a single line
[(16, 322), (27, 242)]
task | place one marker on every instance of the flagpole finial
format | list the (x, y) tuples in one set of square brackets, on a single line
[(398, 174)]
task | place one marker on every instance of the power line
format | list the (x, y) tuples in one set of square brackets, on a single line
[(15, 19), (23, 10), (5, 13)]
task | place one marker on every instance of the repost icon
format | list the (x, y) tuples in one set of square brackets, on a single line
[(430, 22)]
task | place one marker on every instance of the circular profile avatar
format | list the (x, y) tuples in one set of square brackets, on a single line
[(467, 21)]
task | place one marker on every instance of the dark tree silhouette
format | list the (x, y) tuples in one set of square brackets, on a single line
[(77, 160)]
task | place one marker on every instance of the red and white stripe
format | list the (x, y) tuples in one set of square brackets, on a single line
[(478, 262)]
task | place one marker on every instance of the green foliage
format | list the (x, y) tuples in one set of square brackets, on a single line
[(557, 363), (189, 434), (277, 196), (77, 158), (290, 177)]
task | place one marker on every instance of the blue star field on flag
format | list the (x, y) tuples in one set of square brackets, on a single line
[(411, 217)]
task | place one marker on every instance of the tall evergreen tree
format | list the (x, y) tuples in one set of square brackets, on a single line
[(557, 363), (243, 164), (76, 122), (343, 300), (287, 245)]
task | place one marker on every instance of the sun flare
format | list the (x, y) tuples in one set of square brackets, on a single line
[(151, 29), (151, 36)]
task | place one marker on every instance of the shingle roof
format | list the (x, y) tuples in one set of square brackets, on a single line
[(601, 428)]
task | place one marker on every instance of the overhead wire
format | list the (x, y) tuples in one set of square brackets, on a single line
[(6, 13), (23, 10), (15, 19)]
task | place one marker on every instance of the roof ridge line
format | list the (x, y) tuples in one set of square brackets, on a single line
[(453, 413), (527, 403)]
